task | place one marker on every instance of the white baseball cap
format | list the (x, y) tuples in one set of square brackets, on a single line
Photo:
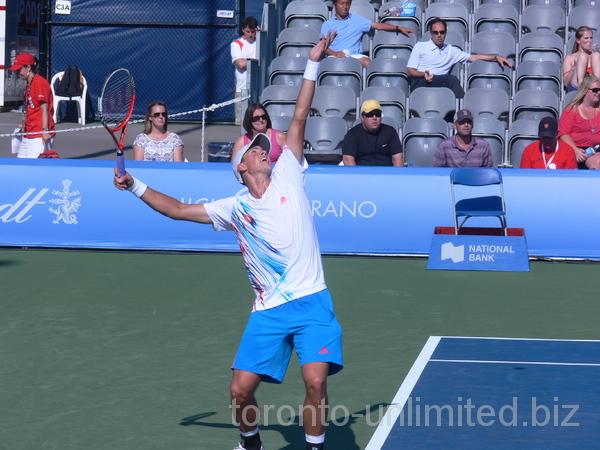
[(260, 140)]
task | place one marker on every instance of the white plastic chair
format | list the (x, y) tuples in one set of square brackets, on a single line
[(80, 100)]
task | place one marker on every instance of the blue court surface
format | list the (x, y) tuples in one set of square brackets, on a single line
[(496, 393)]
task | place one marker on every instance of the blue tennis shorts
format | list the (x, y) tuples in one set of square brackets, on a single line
[(307, 324)]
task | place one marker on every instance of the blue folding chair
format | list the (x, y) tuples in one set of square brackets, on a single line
[(478, 206)]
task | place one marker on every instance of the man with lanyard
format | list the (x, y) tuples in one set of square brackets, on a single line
[(275, 230), (463, 149), (548, 152)]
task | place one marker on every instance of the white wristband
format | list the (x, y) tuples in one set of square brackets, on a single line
[(138, 188), (312, 70)]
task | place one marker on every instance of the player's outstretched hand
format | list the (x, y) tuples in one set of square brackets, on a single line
[(318, 51), (124, 182)]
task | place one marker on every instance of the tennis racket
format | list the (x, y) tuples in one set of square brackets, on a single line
[(115, 105)]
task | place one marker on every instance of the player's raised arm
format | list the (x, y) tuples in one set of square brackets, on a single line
[(167, 206), (295, 134)]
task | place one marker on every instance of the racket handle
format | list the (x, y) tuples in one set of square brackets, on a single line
[(121, 165)]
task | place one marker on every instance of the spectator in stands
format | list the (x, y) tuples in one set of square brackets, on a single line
[(463, 149), (350, 29), (548, 152), (430, 62), (372, 143), (257, 120), (38, 107), (579, 123), (156, 143), (584, 60), (242, 49)]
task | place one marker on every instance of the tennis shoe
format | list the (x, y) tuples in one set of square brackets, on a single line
[(241, 447)]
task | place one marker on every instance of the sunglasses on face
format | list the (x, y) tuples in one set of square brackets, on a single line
[(257, 118), (438, 32), (595, 90), (158, 114), (372, 114)]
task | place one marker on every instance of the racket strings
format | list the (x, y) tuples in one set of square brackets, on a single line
[(117, 99)]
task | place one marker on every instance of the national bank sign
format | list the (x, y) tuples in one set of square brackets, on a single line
[(474, 252)]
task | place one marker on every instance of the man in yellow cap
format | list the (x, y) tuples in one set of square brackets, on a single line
[(372, 143)]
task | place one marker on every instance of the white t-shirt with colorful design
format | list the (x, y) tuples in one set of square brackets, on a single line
[(276, 234)]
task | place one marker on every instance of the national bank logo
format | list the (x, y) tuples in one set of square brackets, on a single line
[(455, 253)]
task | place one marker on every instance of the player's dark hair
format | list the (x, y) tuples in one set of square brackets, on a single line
[(249, 22)]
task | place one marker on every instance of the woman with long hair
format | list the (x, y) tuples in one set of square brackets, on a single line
[(582, 61), (38, 108), (257, 120), (156, 143), (579, 124)]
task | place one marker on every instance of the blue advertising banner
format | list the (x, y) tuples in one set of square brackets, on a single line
[(357, 210), (500, 253)]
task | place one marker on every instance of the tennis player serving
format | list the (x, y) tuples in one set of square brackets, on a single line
[(276, 233)]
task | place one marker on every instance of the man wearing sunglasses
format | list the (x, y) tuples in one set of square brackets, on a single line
[(372, 143), (430, 62)]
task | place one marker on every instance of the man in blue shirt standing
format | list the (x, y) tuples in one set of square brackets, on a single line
[(350, 29)]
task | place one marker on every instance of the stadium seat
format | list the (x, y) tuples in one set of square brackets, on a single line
[(501, 43), (426, 102), (520, 134), (489, 74), (391, 99), (455, 15), (281, 123), (280, 100), (323, 139), (387, 72), (287, 71), (420, 138), (297, 42), (337, 101), (560, 3), (466, 3), (390, 45), (543, 19), (487, 206), (496, 18), (488, 104), (540, 75), (586, 3), (515, 3), (535, 104), (541, 47), (365, 9), (567, 99), (341, 72), (494, 132), (584, 15), (412, 22), (308, 14)]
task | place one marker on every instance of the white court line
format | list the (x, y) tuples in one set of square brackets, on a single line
[(386, 424), (514, 362), (389, 419)]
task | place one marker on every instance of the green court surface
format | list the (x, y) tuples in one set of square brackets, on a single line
[(110, 350)]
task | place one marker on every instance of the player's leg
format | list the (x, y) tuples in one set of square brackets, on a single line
[(316, 404), (245, 408)]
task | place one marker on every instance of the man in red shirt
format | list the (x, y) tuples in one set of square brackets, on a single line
[(548, 152)]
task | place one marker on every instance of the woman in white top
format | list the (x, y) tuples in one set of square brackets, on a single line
[(156, 143)]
